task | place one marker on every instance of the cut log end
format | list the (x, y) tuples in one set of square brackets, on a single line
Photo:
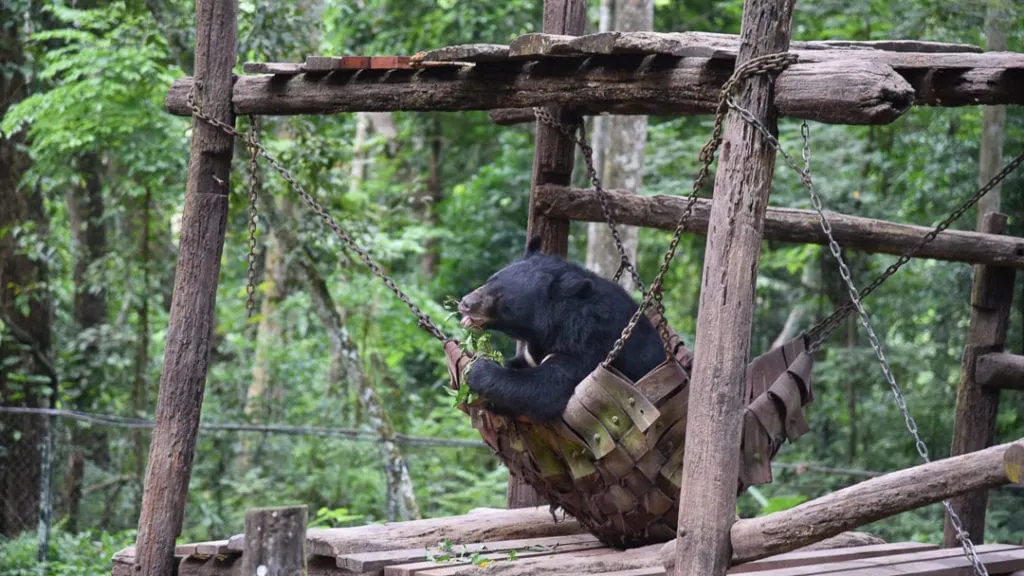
[(1013, 463)]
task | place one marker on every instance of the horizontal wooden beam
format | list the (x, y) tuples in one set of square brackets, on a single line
[(1000, 370), (788, 225), (836, 92), (875, 499)]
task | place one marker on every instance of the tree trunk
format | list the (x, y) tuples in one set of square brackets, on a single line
[(89, 236), (345, 362), (261, 396), (623, 159), (993, 117), (140, 397), (433, 194), (28, 353)]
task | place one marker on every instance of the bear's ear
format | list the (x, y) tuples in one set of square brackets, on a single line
[(533, 247), (574, 286)]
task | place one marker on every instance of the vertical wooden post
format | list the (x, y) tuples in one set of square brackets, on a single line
[(707, 503), (186, 357), (974, 420), (552, 164), (275, 542)]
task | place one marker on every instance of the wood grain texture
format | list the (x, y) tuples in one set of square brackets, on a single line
[(746, 165), (868, 501), (486, 526), (1000, 370), (974, 417), (788, 225), (187, 353), (275, 541), (864, 92)]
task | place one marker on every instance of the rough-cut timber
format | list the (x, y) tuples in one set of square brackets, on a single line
[(1000, 370), (553, 156), (467, 53), (871, 500), (187, 354), (697, 44), (974, 418), (743, 183), (864, 92), (479, 527), (788, 225), (275, 541)]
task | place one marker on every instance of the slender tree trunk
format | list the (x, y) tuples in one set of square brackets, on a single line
[(28, 352), (140, 396), (433, 194), (89, 234), (623, 160), (990, 162), (345, 362), (262, 395)]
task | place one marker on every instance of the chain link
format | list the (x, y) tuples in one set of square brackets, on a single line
[(250, 286), (856, 300), (771, 63), (424, 321)]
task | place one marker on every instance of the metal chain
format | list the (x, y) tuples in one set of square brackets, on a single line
[(856, 300), (250, 286), (768, 64), (819, 333), (588, 157), (424, 321)]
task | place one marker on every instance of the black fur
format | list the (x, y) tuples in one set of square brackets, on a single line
[(557, 308)]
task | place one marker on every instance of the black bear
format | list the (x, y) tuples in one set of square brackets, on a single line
[(569, 319)]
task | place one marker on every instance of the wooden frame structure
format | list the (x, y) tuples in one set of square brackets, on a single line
[(639, 73)]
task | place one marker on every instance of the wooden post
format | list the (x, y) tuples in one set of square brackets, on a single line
[(186, 357), (275, 542), (552, 164), (707, 502), (974, 420)]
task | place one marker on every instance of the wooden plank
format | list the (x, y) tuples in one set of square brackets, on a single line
[(595, 561), (974, 417), (997, 558), (368, 561), (390, 63), (495, 557), (203, 548), (813, 557), (871, 500), (788, 225), (484, 526), (331, 63), (275, 541), (187, 352), (467, 53), (1000, 370), (278, 68), (865, 93), (742, 185), (699, 44)]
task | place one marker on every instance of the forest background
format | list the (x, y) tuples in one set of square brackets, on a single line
[(92, 179)]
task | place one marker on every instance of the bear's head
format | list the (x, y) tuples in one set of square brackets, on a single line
[(522, 299)]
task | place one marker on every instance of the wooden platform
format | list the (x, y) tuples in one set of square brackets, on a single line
[(529, 541)]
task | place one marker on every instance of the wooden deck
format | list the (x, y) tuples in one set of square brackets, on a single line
[(529, 541)]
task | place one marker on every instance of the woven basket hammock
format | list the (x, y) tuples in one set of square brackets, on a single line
[(614, 462)]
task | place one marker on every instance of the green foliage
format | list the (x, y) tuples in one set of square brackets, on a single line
[(87, 553)]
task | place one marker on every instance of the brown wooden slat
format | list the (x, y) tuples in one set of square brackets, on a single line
[(540, 564), (277, 68), (367, 561), (426, 566), (329, 63), (995, 563), (890, 560), (809, 557)]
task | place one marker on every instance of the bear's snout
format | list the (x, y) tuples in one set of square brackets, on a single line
[(477, 307)]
